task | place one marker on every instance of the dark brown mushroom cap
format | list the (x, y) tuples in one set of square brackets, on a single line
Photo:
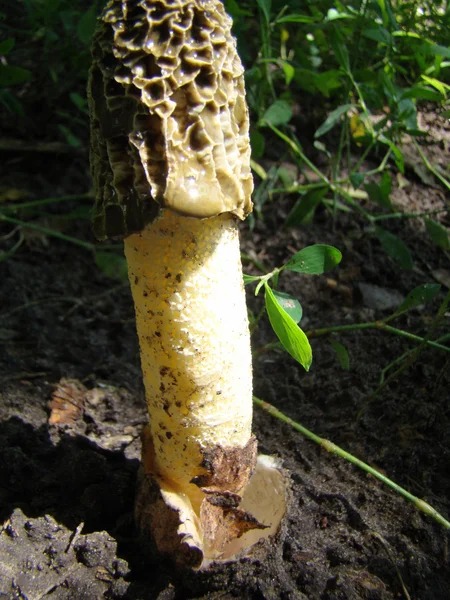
[(169, 121)]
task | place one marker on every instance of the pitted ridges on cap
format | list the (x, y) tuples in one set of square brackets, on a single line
[(174, 95)]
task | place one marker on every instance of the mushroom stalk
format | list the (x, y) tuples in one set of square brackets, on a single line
[(191, 317), (170, 160)]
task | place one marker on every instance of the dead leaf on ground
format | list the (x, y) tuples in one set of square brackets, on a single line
[(67, 402)]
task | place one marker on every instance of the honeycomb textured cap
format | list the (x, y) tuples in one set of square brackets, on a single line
[(169, 120)]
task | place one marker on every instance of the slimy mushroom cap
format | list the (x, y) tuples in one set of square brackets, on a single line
[(168, 112)]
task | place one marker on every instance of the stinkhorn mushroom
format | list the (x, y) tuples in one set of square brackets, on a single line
[(170, 161)]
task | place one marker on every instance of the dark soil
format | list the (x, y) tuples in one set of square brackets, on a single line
[(68, 469)]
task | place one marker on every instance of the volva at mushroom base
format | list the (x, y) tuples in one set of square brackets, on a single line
[(170, 161)]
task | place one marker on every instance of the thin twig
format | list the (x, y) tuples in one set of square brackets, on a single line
[(47, 231), (430, 167), (330, 447)]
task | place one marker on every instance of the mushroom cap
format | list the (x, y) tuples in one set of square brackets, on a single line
[(169, 120)]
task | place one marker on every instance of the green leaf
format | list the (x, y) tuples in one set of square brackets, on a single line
[(288, 332), (71, 138), (13, 75), (356, 179), (386, 185), (439, 85), (438, 233), (305, 206), (296, 19), (378, 34), (289, 304), (422, 93), (6, 46), (112, 265), (86, 25), (340, 50), (398, 156), (288, 71), (279, 113), (395, 248), (419, 295), (314, 260), (435, 49), (11, 103), (235, 11), (407, 113), (321, 147), (341, 353), (250, 278), (80, 102), (265, 6), (380, 193), (258, 169), (257, 143), (332, 119), (333, 15)]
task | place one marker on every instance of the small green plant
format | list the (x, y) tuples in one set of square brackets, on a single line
[(10, 76), (366, 66), (285, 311), (59, 32), (25, 216)]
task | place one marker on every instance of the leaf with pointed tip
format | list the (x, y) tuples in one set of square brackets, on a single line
[(288, 332), (279, 113), (419, 295), (332, 119), (356, 180), (380, 193), (341, 353), (305, 205), (290, 304), (113, 265), (395, 248), (314, 260), (438, 233)]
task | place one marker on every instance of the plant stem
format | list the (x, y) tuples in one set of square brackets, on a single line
[(297, 150), (13, 250), (363, 156), (254, 261), (331, 447), (430, 167), (45, 201), (399, 359), (352, 203), (47, 231), (400, 215), (415, 354), (254, 324), (374, 325), (379, 325)]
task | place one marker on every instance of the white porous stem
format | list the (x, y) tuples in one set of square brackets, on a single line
[(191, 317)]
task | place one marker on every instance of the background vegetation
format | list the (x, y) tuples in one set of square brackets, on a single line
[(329, 84)]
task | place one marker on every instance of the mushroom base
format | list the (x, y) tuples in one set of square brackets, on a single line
[(227, 526)]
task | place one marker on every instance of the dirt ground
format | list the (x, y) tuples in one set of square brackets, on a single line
[(72, 408)]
